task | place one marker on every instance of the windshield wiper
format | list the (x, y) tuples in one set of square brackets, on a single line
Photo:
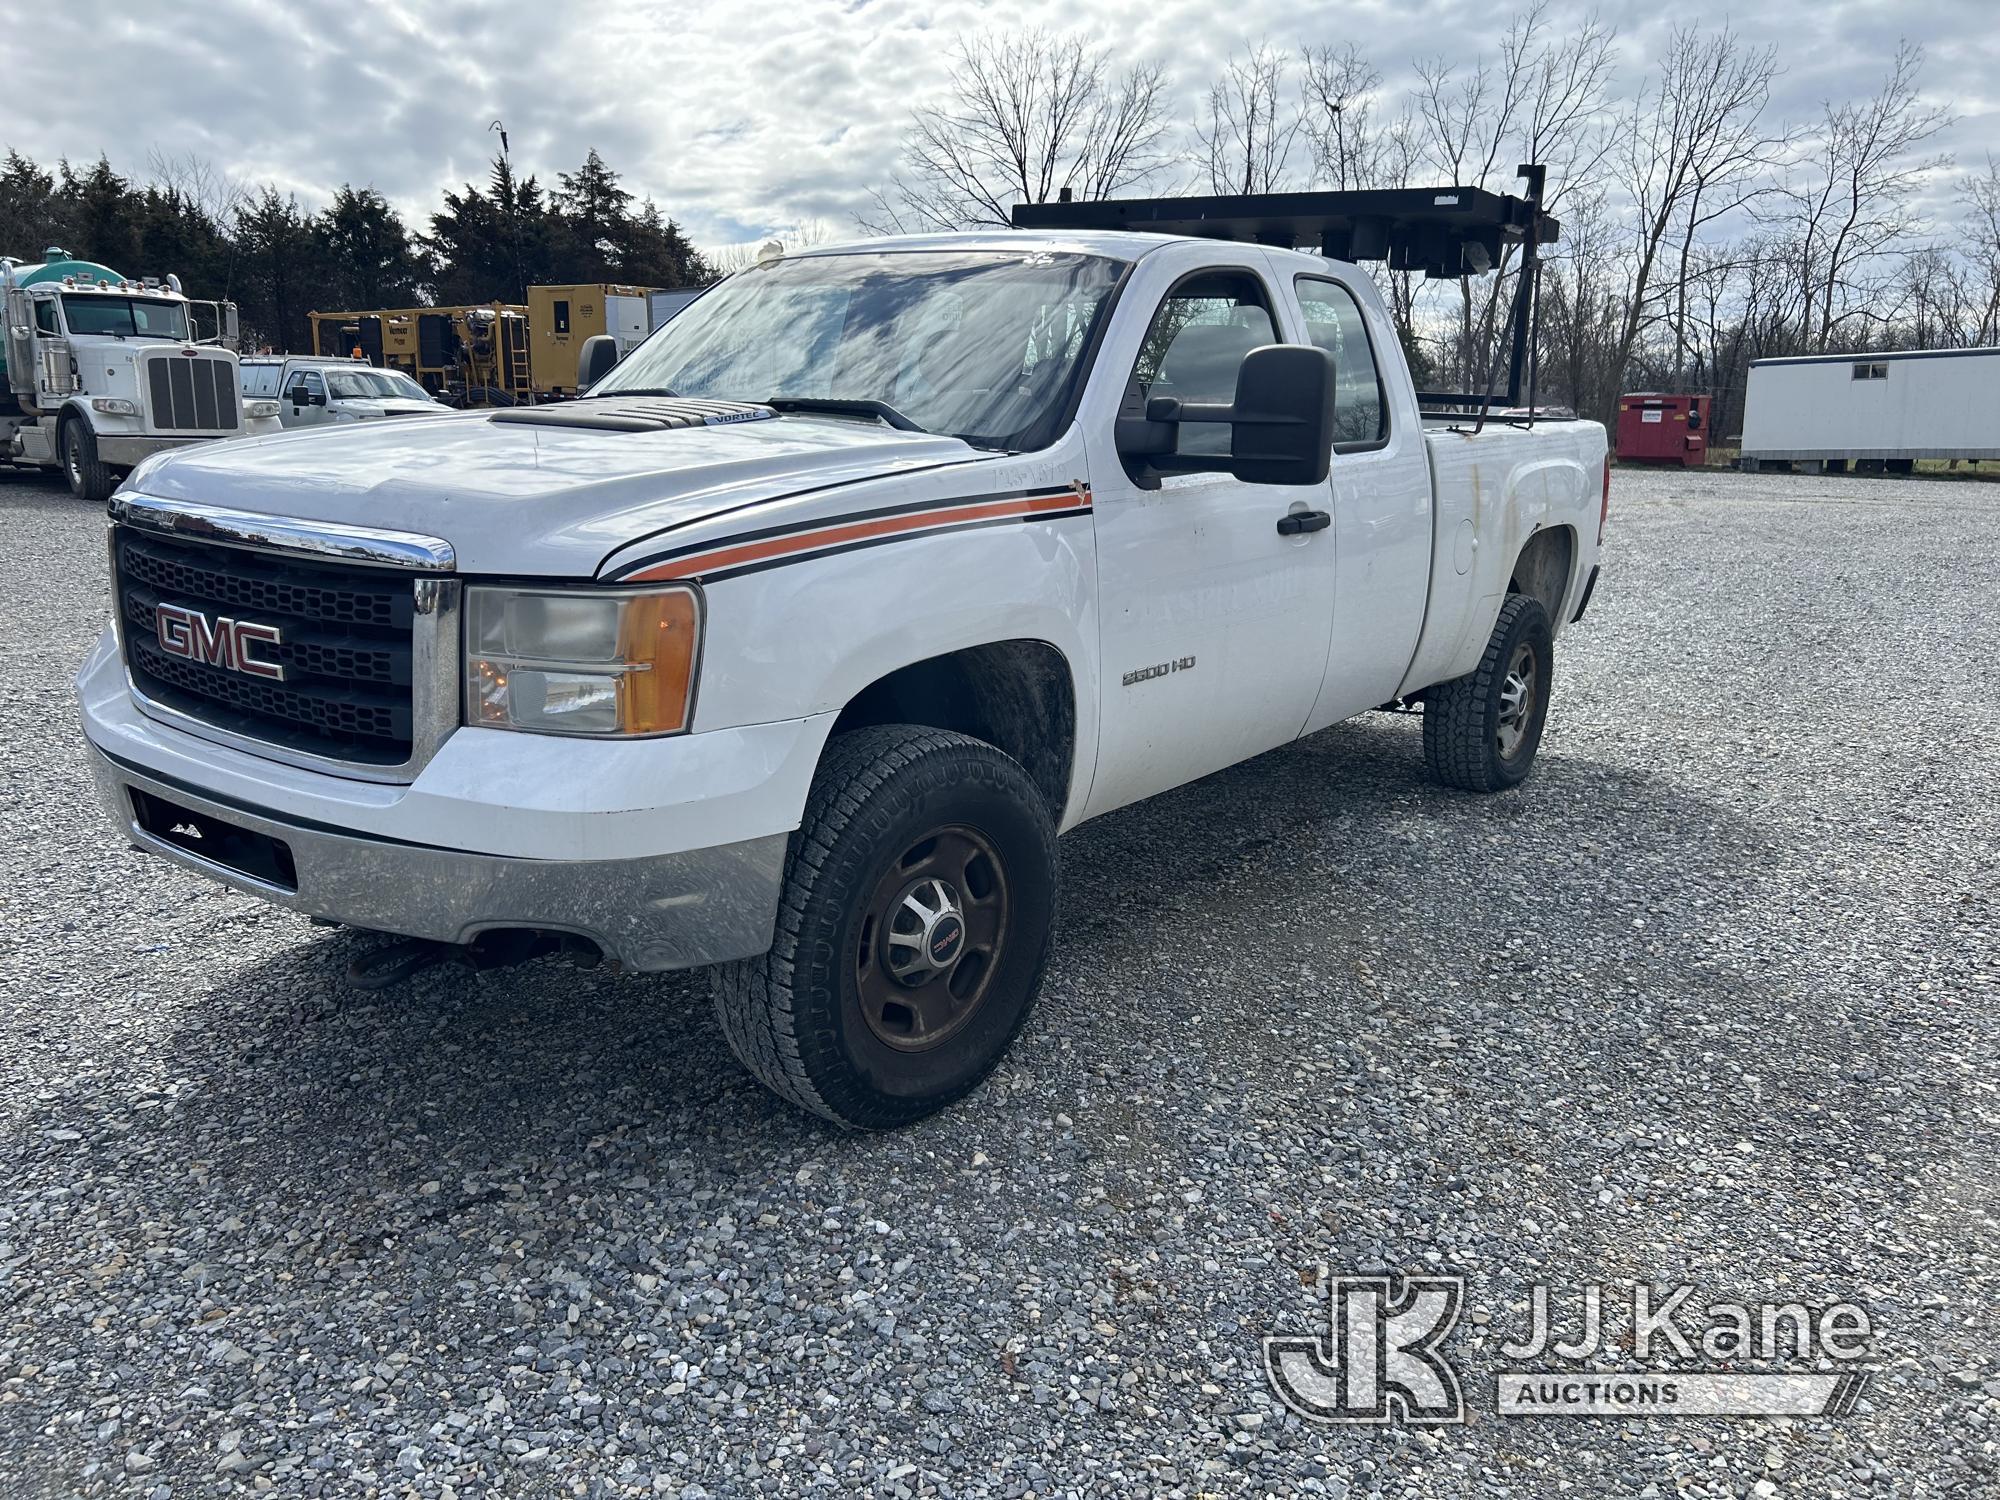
[(859, 406)]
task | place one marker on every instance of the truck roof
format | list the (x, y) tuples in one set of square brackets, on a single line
[(1114, 244)]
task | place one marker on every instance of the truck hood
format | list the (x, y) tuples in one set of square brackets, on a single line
[(391, 406), (524, 499)]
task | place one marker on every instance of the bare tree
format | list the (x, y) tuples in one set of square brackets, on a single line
[(196, 181), (1695, 148), (1027, 117), (1340, 125), (1979, 202), (1250, 124), (1852, 195), (1544, 100)]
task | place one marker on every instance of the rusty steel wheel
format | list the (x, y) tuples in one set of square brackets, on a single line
[(931, 939), (913, 929)]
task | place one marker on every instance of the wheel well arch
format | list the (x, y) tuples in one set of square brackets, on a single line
[(1016, 695), (1543, 567)]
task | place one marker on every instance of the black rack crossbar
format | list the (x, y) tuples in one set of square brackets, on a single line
[(1444, 232)]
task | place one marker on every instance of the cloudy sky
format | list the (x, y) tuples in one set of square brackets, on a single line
[(746, 119)]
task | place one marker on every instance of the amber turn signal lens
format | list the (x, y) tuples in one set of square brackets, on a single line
[(657, 639)]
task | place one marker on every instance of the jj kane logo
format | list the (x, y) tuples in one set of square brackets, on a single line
[(1383, 1356)]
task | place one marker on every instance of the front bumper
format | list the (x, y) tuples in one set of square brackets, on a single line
[(124, 450), (668, 853), (666, 911)]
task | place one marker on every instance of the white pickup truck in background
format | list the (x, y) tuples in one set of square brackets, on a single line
[(793, 646)]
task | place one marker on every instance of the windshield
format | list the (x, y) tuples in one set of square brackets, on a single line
[(374, 385), (128, 316), (984, 345)]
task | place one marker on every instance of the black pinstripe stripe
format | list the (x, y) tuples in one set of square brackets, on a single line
[(823, 523), (883, 541)]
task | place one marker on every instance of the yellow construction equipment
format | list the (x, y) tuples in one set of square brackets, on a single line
[(560, 318), (468, 356)]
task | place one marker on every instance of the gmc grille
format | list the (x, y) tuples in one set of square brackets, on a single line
[(191, 394), (346, 645)]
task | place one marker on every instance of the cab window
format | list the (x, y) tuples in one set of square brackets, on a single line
[(1196, 345), (1334, 323), (45, 318)]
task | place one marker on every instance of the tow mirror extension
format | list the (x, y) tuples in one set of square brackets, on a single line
[(1280, 424)]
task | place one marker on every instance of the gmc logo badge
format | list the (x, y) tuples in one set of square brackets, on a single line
[(216, 641)]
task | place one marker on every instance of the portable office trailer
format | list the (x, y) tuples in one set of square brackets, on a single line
[(560, 318), (1891, 409)]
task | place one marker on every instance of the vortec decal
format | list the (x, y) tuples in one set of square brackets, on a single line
[(217, 641)]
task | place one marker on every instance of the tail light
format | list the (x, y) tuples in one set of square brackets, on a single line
[(1604, 510)]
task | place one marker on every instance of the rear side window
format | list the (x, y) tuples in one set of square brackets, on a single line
[(1196, 345), (1334, 323)]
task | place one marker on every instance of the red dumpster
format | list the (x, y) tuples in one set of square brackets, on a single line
[(1660, 429)]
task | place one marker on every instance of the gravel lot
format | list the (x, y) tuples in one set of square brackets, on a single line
[(1712, 999)]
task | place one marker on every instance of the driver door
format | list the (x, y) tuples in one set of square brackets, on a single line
[(305, 400), (1214, 627)]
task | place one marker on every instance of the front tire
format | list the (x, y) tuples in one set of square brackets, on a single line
[(89, 478), (1481, 731), (913, 932)]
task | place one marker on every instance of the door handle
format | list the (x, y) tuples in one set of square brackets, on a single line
[(1299, 522)]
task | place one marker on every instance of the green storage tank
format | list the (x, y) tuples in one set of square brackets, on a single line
[(56, 265)]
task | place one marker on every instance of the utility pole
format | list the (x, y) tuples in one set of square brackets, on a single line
[(513, 220)]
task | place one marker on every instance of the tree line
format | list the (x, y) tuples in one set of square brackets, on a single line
[(1699, 230), (278, 260)]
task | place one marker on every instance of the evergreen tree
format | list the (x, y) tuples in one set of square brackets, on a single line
[(370, 260)]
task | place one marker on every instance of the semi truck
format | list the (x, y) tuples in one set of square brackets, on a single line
[(101, 371), (792, 646)]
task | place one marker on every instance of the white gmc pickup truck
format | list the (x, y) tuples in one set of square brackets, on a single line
[(793, 647)]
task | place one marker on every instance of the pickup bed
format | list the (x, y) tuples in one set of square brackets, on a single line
[(793, 647)]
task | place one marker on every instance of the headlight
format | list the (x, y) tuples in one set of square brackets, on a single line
[(115, 406), (581, 661), (255, 409)]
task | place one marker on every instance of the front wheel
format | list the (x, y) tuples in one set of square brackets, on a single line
[(914, 928), (89, 477), (1481, 730)]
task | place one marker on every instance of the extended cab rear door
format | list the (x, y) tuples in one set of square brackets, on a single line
[(1380, 477), (1213, 625)]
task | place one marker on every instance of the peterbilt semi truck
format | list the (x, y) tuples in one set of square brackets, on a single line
[(99, 371)]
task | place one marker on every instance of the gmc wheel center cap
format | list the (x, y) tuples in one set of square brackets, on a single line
[(943, 941)]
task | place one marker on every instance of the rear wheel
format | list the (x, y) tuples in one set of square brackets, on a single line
[(89, 479), (1481, 730), (913, 932)]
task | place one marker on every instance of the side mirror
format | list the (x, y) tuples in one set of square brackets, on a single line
[(600, 353), (1281, 422), (1281, 428)]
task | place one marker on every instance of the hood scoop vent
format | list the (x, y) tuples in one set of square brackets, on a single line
[(636, 413)]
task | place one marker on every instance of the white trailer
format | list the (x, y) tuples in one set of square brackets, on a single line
[(1891, 409)]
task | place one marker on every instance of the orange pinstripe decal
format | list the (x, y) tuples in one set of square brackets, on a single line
[(832, 536)]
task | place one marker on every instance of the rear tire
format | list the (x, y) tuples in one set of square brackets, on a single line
[(89, 478), (1481, 731), (913, 932)]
